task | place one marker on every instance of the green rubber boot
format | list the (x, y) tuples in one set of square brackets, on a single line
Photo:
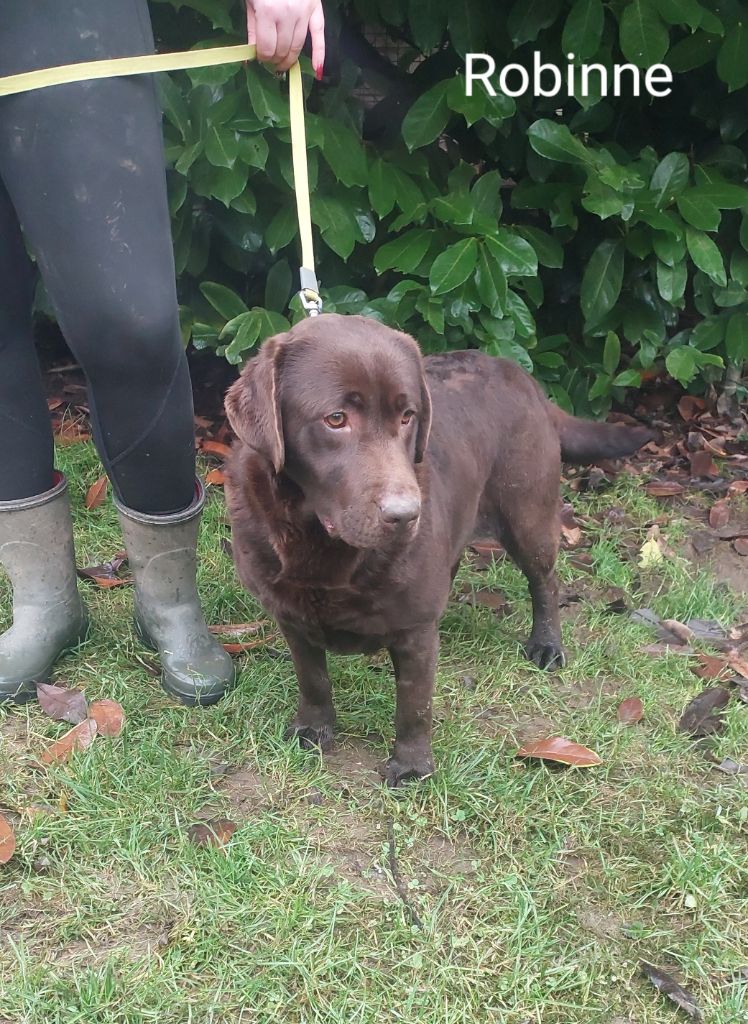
[(36, 551), (168, 617)]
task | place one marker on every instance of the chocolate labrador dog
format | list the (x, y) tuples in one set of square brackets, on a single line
[(360, 474)]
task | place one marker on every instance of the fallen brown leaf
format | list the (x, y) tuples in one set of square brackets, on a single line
[(61, 704), (741, 546), (682, 633), (215, 832), (79, 738), (630, 711), (709, 666), (664, 488), (239, 628), (702, 716), (494, 599), (215, 448), (669, 987), (248, 645), (737, 664), (556, 748), (215, 478), (702, 464), (97, 493), (7, 840), (691, 406), (108, 715), (719, 514), (738, 487)]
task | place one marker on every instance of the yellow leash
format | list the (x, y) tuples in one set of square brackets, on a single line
[(153, 62)]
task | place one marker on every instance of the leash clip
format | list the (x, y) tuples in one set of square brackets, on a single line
[(309, 294)]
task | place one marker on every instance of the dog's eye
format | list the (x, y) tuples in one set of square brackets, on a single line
[(407, 417), (336, 420)]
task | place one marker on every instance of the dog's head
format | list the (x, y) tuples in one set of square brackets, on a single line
[(340, 405)]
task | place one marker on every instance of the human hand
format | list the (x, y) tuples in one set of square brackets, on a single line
[(278, 29)]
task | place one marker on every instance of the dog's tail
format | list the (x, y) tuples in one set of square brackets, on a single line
[(586, 441)]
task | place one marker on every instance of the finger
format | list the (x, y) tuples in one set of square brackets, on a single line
[(251, 25), (317, 30), (284, 28), (297, 41), (266, 38)]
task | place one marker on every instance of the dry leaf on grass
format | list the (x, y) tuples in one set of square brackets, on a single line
[(215, 448), (669, 987), (703, 715), (79, 738), (691, 406), (630, 711), (719, 514), (108, 715), (7, 840), (248, 645), (97, 493), (709, 666), (216, 832), (61, 704), (561, 750), (664, 488), (702, 464), (215, 478), (239, 628)]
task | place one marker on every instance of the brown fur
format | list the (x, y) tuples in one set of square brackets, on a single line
[(351, 537)]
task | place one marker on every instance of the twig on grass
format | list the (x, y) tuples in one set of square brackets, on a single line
[(397, 878)]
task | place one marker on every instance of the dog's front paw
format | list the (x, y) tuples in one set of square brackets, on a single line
[(319, 736), (402, 767), (544, 653)]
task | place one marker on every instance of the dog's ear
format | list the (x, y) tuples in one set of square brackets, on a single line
[(253, 403), (424, 420)]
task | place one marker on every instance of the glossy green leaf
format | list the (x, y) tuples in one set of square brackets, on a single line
[(344, 153), (736, 338), (670, 177), (528, 18), (452, 267), (549, 251), (403, 253), (611, 352), (671, 281), (705, 254), (555, 142), (491, 282), (700, 212), (223, 299), (602, 281), (732, 62), (643, 37), (583, 29), (427, 118), (222, 147), (513, 254), (681, 364)]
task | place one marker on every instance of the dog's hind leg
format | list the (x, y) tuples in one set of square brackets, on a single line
[(527, 505), (314, 722), (414, 657)]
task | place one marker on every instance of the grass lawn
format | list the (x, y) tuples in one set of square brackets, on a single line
[(521, 893)]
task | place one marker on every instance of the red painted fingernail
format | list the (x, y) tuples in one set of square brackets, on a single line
[(319, 71)]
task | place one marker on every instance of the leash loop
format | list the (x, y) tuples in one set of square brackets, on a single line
[(309, 293), (149, 63)]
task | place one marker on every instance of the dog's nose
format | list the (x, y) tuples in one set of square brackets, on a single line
[(400, 509)]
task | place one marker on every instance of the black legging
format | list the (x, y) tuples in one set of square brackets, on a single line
[(82, 172)]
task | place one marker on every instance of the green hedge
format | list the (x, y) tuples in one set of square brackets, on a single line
[(590, 239)]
